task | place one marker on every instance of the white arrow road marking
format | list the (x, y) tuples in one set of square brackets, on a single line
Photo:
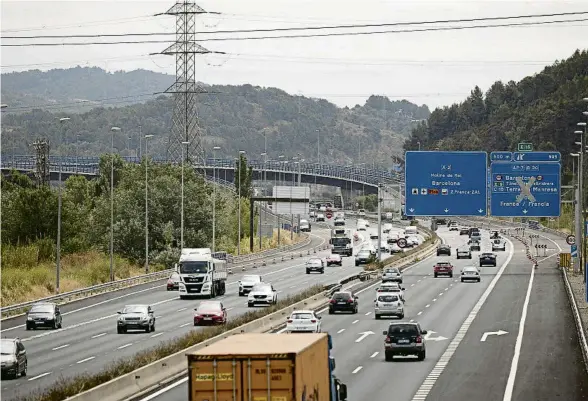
[(493, 333), (429, 336), (364, 335)]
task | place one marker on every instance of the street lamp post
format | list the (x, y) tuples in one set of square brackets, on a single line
[(214, 149), (146, 207), (241, 152), (185, 143), (379, 223), (112, 131), (59, 202)]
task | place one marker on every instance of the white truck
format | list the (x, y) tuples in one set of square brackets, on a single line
[(201, 274), (341, 241)]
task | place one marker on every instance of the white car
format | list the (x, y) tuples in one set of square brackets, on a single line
[(387, 228), (369, 247), (373, 236), (361, 212), (384, 247), (498, 245), (389, 215), (320, 217), (387, 304), (262, 293), (453, 227), (393, 237), (361, 226), (391, 287), (247, 283), (414, 240), (303, 321), (394, 248)]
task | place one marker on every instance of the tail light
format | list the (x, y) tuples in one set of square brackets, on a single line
[(332, 301), (289, 320), (313, 321), (350, 301), (388, 340), (419, 339), (170, 281)]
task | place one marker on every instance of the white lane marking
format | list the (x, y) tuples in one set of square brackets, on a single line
[(420, 313), (418, 281), (374, 354), (411, 320), (228, 309), (340, 331), (431, 379), (434, 299), (181, 309), (158, 316), (357, 369), (446, 289), (412, 285), (355, 321), (519, 342), (293, 286), (368, 313), (124, 346), (185, 324), (60, 347), (86, 360), (39, 376), (427, 305), (440, 293), (98, 335), (157, 335)]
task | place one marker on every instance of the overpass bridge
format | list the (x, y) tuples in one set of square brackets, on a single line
[(345, 177)]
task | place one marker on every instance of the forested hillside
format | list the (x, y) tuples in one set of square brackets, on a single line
[(233, 117), (542, 109)]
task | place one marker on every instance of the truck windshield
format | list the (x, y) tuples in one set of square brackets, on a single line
[(194, 267), (341, 241)]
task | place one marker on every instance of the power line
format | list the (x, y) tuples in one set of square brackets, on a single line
[(264, 30), (430, 29)]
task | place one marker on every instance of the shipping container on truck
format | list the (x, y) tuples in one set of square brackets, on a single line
[(264, 367)]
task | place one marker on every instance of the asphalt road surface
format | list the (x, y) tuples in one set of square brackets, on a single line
[(88, 340)]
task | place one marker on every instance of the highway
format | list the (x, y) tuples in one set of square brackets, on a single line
[(88, 340), (534, 355)]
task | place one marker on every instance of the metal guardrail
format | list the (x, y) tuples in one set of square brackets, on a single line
[(89, 166)]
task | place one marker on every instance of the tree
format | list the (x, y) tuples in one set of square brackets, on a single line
[(243, 177)]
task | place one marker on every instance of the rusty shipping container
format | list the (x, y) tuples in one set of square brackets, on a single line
[(261, 367)]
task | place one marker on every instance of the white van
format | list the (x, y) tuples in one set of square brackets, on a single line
[(410, 230)]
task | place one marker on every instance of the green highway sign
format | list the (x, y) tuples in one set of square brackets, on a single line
[(525, 147)]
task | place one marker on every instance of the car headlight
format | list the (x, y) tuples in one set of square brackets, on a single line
[(29, 318), (121, 319)]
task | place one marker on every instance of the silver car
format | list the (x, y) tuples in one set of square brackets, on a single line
[(470, 273), (262, 293), (136, 317), (388, 305), (315, 265), (464, 253), (498, 245), (392, 274), (247, 283)]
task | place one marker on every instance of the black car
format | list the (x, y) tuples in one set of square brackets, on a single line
[(44, 315), (464, 231), (403, 339), (474, 230), (14, 358), (487, 259), (443, 249), (343, 301)]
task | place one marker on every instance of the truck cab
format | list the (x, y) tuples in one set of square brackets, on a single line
[(200, 273), (341, 242)]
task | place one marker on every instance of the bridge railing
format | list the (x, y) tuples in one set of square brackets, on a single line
[(90, 164)]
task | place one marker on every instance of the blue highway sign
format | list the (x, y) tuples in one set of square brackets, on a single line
[(574, 251), (530, 189), (536, 157), (446, 183), (501, 156)]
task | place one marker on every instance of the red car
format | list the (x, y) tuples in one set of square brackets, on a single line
[(334, 259), (173, 283), (443, 268), (210, 312)]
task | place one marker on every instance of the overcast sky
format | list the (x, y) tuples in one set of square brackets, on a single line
[(434, 68)]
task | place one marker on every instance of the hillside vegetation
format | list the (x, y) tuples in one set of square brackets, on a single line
[(542, 109), (233, 117)]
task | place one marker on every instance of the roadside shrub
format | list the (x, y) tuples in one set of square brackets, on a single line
[(68, 387)]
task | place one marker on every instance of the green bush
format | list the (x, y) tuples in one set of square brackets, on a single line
[(68, 387)]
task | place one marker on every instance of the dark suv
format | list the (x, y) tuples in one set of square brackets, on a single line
[(44, 315), (14, 358), (443, 249), (403, 339), (343, 301)]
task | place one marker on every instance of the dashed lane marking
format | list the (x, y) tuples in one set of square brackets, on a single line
[(125, 346), (39, 376), (357, 369), (420, 313), (60, 347), (374, 354), (99, 335), (355, 321), (86, 360)]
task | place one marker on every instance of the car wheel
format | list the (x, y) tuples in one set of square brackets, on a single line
[(29, 327), (307, 271), (401, 316), (323, 271), (388, 357), (435, 275), (462, 280), (331, 312), (153, 327), (249, 304), (24, 371), (241, 294), (421, 355), (119, 330), (451, 275), (377, 317), (479, 280), (55, 324), (60, 324), (148, 329)]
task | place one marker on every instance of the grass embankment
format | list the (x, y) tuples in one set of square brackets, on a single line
[(28, 272), (68, 387)]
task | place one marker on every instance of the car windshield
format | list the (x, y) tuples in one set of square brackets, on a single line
[(387, 298), (342, 296), (302, 316), (189, 267), (470, 269), (402, 329), (209, 307), (487, 255), (391, 271), (334, 256), (42, 309), (135, 309), (251, 279), (341, 241), (262, 288), (7, 347), (363, 253), (314, 262), (443, 263)]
